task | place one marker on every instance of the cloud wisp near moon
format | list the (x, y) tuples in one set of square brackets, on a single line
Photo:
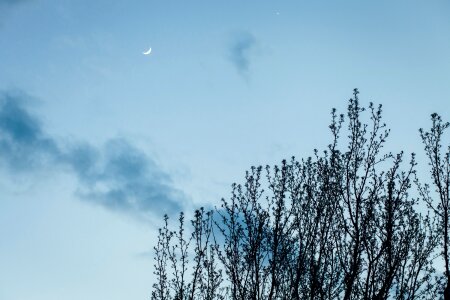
[(241, 51)]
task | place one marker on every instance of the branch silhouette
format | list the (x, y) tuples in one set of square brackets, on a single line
[(341, 224)]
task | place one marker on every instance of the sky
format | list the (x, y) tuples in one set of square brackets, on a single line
[(98, 141)]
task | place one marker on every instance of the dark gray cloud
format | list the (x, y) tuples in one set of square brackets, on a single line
[(122, 178), (117, 175), (241, 50), (23, 145)]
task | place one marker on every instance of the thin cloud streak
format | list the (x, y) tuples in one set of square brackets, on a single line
[(117, 176), (12, 1)]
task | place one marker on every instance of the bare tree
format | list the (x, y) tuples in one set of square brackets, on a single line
[(338, 225), (173, 253), (440, 175)]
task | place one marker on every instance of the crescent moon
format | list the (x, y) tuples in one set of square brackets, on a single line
[(147, 52)]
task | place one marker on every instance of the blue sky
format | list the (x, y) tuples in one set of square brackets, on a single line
[(98, 141)]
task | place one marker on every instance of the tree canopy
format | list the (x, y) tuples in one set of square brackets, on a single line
[(349, 222)]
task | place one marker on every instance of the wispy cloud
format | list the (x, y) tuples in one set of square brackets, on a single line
[(12, 2), (23, 144), (117, 176), (6, 6), (120, 177), (241, 50)]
